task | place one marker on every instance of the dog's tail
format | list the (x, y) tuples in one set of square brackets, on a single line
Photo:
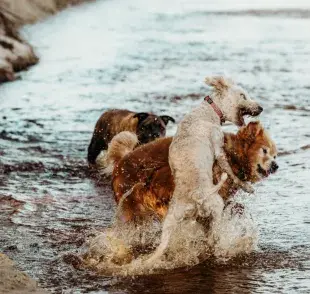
[(121, 144)]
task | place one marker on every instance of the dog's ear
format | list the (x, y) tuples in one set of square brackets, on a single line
[(141, 116), (220, 83), (255, 128), (167, 118), (251, 131)]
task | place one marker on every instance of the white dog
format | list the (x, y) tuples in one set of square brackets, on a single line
[(198, 142)]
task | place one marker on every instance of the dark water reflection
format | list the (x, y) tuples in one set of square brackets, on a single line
[(125, 54)]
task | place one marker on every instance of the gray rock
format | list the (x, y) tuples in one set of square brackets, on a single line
[(13, 281)]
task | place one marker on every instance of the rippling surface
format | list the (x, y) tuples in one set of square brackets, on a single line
[(152, 56)]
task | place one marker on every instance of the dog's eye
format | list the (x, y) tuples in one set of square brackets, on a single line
[(242, 96), (275, 157), (265, 151)]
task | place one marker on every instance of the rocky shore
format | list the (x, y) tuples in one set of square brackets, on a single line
[(13, 281), (16, 54)]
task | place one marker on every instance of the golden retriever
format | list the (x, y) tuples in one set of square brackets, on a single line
[(145, 175)]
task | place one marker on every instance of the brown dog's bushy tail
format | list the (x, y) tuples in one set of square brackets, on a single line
[(121, 144)]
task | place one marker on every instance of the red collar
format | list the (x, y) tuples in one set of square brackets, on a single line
[(215, 108)]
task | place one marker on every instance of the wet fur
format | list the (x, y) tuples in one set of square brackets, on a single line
[(146, 170), (199, 141), (146, 126)]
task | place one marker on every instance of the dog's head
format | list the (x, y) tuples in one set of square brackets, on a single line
[(233, 100), (260, 151), (151, 126)]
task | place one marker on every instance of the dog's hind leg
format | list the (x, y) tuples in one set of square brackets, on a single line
[(209, 202), (168, 228), (121, 212), (139, 205), (176, 214)]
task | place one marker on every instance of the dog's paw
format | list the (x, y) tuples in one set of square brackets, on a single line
[(247, 188), (236, 209)]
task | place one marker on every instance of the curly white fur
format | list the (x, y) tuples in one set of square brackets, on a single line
[(198, 142)]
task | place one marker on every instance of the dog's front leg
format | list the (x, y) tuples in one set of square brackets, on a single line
[(223, 163), (218, 143)]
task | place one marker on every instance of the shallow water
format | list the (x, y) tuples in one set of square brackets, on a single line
[(152, 56)]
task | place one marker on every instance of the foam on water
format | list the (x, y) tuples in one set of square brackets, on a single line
[(122, 249), (153, 56)]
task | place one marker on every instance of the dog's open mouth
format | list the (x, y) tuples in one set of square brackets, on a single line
[(263, 172), (246, 112)]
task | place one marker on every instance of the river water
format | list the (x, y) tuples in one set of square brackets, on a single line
[(153, 56)]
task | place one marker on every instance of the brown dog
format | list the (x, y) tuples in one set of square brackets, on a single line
[(146, 126), (145, 176)]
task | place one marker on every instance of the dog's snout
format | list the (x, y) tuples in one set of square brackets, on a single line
[(256, 110), (260, 109), (274, 166)]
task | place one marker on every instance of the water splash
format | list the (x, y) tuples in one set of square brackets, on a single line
[(122, 249)]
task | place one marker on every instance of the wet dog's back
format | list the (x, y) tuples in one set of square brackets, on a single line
[(140, 166), (157, 185)]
